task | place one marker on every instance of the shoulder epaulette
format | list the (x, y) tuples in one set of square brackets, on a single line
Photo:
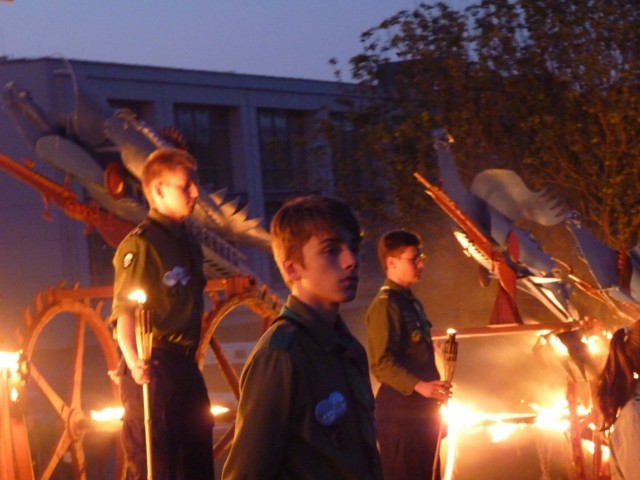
[(384, 292), (140, 228), (283, 335)]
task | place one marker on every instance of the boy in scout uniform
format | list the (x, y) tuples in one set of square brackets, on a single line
[(306, 406), (164, 260), (401, 357)]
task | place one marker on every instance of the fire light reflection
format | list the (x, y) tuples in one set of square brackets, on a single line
[(115, 414), (463, 418)]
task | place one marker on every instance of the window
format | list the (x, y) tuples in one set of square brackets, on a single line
[(207, 132), (347, 170), (282, 151)]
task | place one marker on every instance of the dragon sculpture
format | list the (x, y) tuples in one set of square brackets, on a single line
[(104, 151), (616, 272), (485, 216)]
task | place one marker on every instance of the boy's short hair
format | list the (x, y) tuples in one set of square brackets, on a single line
[(161, 162), (301, 218), (393, 242)]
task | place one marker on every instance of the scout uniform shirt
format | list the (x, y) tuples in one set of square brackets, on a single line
[(400, 348), (163, 260), (306, 406)]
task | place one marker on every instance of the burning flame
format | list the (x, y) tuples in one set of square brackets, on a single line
[(10, 365), (108, 414), (461, 417), (500, 426), (115, 414), (138, 296), (10, 361)]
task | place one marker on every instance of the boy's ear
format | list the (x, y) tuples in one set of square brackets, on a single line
[(290, 269), (389, 262), (156, 188)]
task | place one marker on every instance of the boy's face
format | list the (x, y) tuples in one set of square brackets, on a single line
[(176, 194), (329, 274), (405, 268)]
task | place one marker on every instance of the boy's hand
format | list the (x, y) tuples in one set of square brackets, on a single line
[(438, 389), (140, 371)]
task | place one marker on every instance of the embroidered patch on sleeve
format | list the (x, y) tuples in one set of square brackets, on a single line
[(127, 260)]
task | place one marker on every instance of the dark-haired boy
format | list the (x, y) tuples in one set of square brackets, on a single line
[(306, 406), (401, 357)]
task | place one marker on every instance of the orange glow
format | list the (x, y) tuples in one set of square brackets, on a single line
[(596, 344), (113, 414), (138, 296), (10, 361), (461, 417), (109, 414)]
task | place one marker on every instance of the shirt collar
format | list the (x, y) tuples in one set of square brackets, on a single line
[(391, 285), (175, 228), (330, 337)]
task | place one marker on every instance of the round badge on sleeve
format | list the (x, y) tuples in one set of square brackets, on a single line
[(127, 260)]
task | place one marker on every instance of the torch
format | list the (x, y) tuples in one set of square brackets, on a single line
[(449, 360), (144, 344)]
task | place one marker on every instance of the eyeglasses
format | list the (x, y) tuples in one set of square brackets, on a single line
[(419, 258)]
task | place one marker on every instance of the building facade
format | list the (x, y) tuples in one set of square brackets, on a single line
[(259, 138)]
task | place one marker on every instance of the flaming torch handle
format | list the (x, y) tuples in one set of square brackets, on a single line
[(450, 359), (144, 344)]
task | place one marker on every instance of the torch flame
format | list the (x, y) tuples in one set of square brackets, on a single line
[(138, 296)]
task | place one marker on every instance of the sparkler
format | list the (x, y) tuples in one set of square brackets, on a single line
[(144, 344), (450, 359)]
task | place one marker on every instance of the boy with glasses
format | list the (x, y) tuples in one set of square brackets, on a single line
[(402, 358)]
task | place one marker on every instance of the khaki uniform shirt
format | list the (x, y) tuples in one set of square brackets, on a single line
[(306, 406), (165, 261), (399, 339)]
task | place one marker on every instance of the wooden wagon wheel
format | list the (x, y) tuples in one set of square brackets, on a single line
[(241, 291), (57, 310), (76, 307)]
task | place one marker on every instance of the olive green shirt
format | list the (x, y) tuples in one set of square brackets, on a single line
[(401, 352), (297, 367), (160, 257)]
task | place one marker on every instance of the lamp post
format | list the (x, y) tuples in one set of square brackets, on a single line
[(144, 344)]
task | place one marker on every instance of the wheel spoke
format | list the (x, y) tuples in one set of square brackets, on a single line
[(56, 456), (78, 358), (79, 463), (50, 394)]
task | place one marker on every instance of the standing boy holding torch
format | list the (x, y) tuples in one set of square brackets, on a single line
[(162, 258), (401, 357)]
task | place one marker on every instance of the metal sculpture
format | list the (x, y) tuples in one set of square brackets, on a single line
[(485, 217), (616, 272), (104, 151)]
